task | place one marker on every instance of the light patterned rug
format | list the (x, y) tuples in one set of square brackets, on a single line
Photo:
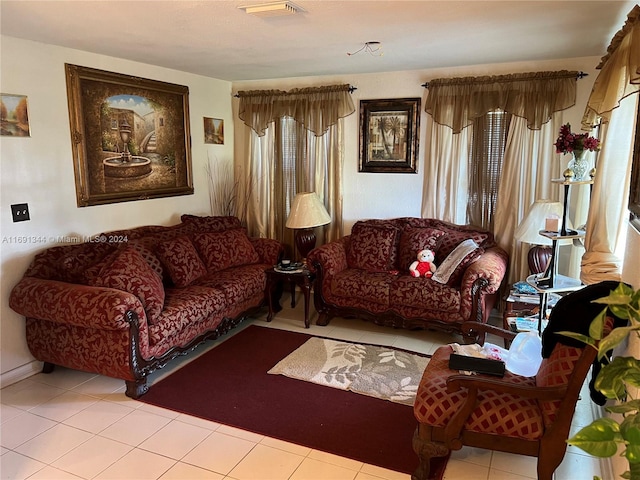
[(380, 372)]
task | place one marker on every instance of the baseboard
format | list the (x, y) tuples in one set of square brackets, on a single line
[(20, 373)]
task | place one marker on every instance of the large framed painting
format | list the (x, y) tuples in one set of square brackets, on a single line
[(130, 137), (389, 135)]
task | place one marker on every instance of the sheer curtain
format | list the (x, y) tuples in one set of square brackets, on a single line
[(530, 163), (535, 101), (613, 102), (294, 144)]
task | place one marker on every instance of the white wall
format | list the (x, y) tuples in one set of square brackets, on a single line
[(378, 195), (39, 170)]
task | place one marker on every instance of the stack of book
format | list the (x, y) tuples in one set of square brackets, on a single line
[(525, 324)]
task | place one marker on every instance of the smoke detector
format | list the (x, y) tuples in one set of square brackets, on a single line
[(272, 9)]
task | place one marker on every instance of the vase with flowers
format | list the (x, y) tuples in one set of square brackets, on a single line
[(577, 145)]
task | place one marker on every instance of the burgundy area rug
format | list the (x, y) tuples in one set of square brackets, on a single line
[(230, 385)]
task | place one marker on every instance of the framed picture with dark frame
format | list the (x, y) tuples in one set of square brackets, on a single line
[(389, 135), (130, 137)]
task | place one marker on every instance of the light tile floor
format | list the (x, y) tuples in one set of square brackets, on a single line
[(75, 425)]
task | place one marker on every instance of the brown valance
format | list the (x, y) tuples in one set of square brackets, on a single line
[(457, 102), (317, 108), (619, 74)]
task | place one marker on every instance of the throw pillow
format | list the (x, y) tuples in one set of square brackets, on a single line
[(372, 247), (453, 238), (129, 272), (145, 249), (450, 271), (181, 260), (221, 250), (413, 240), (72, 267)]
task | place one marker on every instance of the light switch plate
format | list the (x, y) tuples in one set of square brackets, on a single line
[(20, 212)]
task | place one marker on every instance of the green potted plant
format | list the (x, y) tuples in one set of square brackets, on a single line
[(617, 380)]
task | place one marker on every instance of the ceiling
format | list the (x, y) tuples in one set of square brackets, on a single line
[(216, 39)]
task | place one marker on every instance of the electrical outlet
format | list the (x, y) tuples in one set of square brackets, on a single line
[(20, 212)]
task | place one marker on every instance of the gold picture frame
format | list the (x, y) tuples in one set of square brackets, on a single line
[(213, 130), (130, 136), (389, 135), (14, 115)]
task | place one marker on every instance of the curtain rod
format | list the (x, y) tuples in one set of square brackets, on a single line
[(351, 90), (578, 76)]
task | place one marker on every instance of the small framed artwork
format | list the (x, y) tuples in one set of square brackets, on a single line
[(389, 135), (214, 131), (14, 115), (130, 137)]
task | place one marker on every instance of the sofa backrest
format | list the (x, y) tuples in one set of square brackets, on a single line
[(412, 235), (73, 263)]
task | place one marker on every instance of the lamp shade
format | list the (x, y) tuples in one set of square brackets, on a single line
[(528, 230), (307, 211)]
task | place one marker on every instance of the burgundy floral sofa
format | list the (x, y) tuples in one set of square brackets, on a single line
[(366, 274), (128, 302)]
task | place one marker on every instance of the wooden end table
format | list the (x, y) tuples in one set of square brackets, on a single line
[(303, 279)]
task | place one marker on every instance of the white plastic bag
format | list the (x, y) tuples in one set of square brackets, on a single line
[(525, 354)]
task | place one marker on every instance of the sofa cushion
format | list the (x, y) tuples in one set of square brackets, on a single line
[(237, 284), (184, 309), (413, 240), (450, 271), (128, 271), (221, 250), (423, 293), (181, 260), (368, 287), (372, 247)]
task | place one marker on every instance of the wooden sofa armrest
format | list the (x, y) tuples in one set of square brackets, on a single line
[(458, 382), (474, 328)]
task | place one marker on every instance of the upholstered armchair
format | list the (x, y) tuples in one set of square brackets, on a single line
[(523, 415)]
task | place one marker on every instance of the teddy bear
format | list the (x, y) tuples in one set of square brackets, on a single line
[(423, 266)]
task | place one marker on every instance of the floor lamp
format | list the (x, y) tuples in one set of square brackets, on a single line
[(543, 215), (307, 212)]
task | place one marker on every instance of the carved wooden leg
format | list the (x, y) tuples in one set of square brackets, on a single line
[(323, 319), (48, 367), (550, 459), (136, 388), (425, 450)]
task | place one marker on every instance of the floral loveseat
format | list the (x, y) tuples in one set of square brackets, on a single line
[(128, 302), (366, 274)]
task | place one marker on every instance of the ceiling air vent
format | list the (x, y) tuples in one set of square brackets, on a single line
[(272, 9)]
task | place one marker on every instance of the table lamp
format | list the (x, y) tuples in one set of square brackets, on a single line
[(307, 212), (542, 215)]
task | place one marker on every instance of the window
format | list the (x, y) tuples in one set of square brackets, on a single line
[(485, 166)]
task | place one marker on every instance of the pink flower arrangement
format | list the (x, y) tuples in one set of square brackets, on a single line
[(567, 142)]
